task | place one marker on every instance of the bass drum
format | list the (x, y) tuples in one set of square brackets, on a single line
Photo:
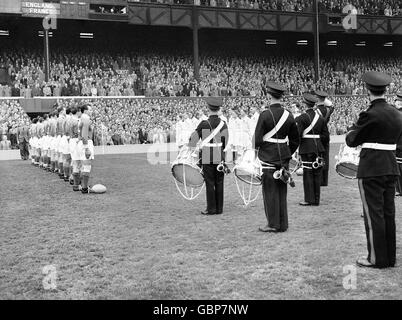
[(347, 161), (188, 174)]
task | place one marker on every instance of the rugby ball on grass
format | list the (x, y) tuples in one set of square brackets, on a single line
[(98, 188)]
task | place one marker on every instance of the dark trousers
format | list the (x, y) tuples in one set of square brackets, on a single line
[(378, 198), (24, 151), (399, 180), (13, 141), (214, 187), (275, 194), (325, 169), (311, 180)]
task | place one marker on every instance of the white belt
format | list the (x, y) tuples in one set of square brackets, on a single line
[(266, 165), (212, 145), (274, 140), (379, 146), (311, 136), (307, 165)]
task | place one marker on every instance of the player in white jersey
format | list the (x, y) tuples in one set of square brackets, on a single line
[(61, 114), (234, 134), (31, 150), (194, 121), (222, 116), (253, 120), (201, 117), (84, 153), (63, 126), (179, 132), (45, 143), (295, 110), (197, 118), (40, 133), (33, 142), (53, 140), (187, 128), (245, 137), (72, 145)]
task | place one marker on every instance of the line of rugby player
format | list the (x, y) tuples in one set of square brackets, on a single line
[(61, 142)]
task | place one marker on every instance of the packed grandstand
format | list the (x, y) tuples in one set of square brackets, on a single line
[(150, 120), (367, 7), (110, 76)]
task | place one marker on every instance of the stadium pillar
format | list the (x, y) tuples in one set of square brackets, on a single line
[(195, 44), (47, 63), (316, 41)]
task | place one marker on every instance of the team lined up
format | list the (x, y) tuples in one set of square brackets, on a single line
[(60, 142)]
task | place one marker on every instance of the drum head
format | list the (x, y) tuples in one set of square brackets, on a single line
[(192, 176), (246, 177), (347, 170)]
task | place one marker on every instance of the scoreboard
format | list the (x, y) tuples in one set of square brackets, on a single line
[(74, 9), (61, 9), (39, 9)]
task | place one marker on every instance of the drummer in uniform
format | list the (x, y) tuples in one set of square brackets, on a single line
[(214, 135), (313, 136), (276, 137), (324, 108), (377, 131), (398, 105)]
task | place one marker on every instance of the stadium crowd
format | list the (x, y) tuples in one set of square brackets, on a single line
[(119, 121), (12, 116), (82, 73), (363, 7)]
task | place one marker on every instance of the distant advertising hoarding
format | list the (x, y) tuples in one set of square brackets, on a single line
[(39, 9)]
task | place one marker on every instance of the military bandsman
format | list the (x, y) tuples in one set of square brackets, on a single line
[(377, 130), (398, 105), (313, 136), (276, 137), (214, 135), (324, 108)]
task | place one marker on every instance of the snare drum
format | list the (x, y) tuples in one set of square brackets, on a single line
[(248, 169), (347, 161), (247, 175), (185, 169)]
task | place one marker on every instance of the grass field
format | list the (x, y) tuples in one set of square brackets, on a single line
[(141, 240)]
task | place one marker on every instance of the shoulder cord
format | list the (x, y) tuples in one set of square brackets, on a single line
[(276, 133), (315, 142), (223, 161)]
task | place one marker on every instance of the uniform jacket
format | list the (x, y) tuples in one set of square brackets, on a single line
[(268, 151), (399, 146), (210, 155), (380, 123), (325, 112), (308, 145)]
